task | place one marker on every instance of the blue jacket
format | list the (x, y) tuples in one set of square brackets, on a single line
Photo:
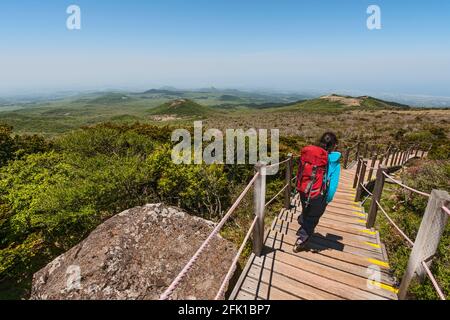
[(334, 170)]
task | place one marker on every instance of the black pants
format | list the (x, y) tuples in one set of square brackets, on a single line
[(311, 215)]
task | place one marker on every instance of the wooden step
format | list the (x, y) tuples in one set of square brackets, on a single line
[(321, 243), (327, 234), (281, 275), (289, 265), (277, 243), (281, 286), (296, 259), (340, 227)]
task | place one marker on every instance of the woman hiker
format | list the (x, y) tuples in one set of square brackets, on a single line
[(317, 181)]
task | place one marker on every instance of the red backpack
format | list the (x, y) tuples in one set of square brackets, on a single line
[(312, 172)]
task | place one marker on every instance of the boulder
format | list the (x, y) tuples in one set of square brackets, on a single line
[(136, 255)]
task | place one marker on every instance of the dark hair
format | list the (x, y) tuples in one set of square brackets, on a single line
[(329, 141)]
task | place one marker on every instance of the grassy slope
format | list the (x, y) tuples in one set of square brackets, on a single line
[(183, 108), (55, 117), (373, 103), (314, 105)]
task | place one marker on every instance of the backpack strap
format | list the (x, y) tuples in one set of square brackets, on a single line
[(299, 172), (310, 185)]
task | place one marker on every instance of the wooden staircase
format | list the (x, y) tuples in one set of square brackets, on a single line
[(344, 260)]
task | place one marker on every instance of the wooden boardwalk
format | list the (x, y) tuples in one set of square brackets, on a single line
[(344, 261)]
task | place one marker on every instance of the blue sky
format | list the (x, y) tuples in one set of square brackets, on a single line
[(294, 45)]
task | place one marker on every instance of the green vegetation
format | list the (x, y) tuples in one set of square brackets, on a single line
[(183, 108), (62, 115), (373, 103), (92, 160), (51, 199), (406, 208), (314, 105)]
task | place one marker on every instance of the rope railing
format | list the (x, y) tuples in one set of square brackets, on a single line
[(370, 193), (230, 272), (278, 164), (411, 243), (433, 281), (182, 274), (276, 196), (405, 186), (166, 295), (433, 221)]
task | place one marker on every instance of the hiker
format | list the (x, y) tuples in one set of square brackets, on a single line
[(317, 181)]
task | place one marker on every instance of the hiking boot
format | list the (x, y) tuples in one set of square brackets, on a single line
[(300, 245)]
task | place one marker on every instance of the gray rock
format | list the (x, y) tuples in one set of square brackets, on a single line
[(136, 255)]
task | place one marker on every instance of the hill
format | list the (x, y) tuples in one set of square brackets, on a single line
[(334, 103), (363, 101), (182, 108)]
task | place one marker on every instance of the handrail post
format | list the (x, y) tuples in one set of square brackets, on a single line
[(388, 154), (430, 232), (366, 149), (380, 162), (288, 178), (372, 165), (393, 157), (405, 157), (259, 205), (397, 155), (347, 154), (358, 150), (417, 151), (358, 169), (377, 192), (361, 181)]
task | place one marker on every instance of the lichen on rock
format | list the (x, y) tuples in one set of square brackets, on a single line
[(136, 255)]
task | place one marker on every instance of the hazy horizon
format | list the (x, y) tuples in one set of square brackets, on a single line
[(266, 45)]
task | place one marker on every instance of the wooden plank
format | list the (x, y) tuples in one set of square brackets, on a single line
[(242, 295), (280, 282), (284, 228), (345, 201), (322, 243), (278, 244), (285, 265), (335, 205), (290, 237), (357, 270), (290, 275), (241, 278), (341, 213), (262, 291), (325, 222), (337, 213)]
